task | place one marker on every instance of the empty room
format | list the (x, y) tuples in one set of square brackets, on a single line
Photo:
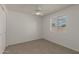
[(39, 29)]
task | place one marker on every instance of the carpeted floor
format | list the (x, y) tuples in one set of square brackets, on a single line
[(38, 47)]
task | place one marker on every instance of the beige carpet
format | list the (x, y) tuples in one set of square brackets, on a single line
[(38, 47)]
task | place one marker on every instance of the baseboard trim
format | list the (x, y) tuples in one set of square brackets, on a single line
[(49, 41), (21, 42), (62, 45)]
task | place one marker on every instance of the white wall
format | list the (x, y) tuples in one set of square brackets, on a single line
[(70, 38), (22, 27)]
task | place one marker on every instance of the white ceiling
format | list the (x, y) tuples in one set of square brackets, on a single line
[(29, 8)]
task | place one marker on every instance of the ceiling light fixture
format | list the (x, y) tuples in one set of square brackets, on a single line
[(38, 11)]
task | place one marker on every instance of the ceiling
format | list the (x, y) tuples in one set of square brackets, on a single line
[(29, 8)]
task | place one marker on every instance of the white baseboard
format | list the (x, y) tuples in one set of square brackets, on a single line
[(21, 42), (63, 45)]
